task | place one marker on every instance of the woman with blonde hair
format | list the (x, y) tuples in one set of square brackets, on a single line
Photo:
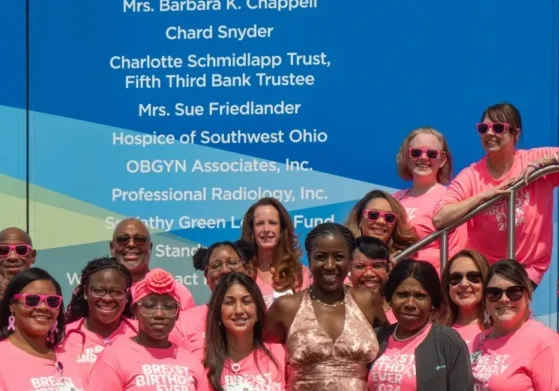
[(267, 226), (380, 215), (425, 159), (462, 288)]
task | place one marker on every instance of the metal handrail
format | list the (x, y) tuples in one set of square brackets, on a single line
[(511, 239)]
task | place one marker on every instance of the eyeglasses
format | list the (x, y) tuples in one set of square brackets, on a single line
[(514, 293), (117, 294), (139, 240), (360, 267), (22, 250), (169, 309), (498, 127), (374, 215), (418, 152), (457, 277), (232, 265), (32, 300)]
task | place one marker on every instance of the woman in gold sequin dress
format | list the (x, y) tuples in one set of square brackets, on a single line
[(327, 328)]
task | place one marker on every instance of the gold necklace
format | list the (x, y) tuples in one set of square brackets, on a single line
[(313, 297)]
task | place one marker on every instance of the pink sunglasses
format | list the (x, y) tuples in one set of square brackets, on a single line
[(22, 250), (416, 153), (32, 300), (498, 127), (374, 215)]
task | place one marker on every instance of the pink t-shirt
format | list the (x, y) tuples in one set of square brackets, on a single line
[(487, 232), (126, 365), (20, 371), (186, 299), (390, 316), (526, 360), (85, 352), (257, 371), (468, 333), (395, 368), (420, 215), (270, 294), (190, 329)]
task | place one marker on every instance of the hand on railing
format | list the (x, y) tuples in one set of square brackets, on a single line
[(503, 188), (535, 166), (392, 260), (495, 195)]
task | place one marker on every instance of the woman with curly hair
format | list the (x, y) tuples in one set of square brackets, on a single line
[(99, 311), (268, 227), (380, 215)]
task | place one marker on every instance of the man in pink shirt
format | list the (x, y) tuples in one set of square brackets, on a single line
[(132, 246)]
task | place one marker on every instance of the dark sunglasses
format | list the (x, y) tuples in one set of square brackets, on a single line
[(32, 300), (123, 240), (514, 293), (457, 277), (430, 153), (498, 127), (374, 215), (22, 250)]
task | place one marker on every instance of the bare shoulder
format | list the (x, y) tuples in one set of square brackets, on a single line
[(287, 305), (280, 316), (368, 302)]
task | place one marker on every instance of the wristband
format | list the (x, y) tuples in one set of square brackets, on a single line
[(535, 165)]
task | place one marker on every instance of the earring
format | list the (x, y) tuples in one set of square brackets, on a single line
[(529, 313), (53, 330), (12, 322), (486, 317)]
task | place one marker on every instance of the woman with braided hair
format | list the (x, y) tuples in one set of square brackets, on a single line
[(99, 311), (327, 328)]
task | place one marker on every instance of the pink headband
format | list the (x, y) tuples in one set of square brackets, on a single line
[(157, 281)]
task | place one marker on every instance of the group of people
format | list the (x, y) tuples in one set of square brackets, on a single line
[(354, 319)]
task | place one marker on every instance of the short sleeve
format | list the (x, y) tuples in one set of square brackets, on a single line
[(545, 375), (460, 189), (106, 373), (187, 301), (200, 377)]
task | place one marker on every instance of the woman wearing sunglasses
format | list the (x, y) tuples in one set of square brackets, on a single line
[(518, 353), (462, 288), (216, 261), (99, 312), (267, 226), (369, 268), (380, 215), (502, 166), (31, 330), (425, 159), (149, 361), (416, 353)]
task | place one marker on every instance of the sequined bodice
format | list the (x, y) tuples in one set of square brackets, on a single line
[(316, 362)]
